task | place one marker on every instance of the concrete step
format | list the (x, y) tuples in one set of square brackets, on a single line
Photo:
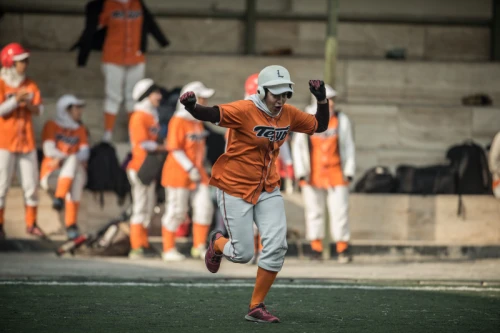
[(460, 42), (376, 219), (357, 81)]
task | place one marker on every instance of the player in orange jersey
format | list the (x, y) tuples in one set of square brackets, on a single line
[(246, 177), (325, 165), (20, 100), (185, 178), (123, 57), (66, 152), (143, 131)]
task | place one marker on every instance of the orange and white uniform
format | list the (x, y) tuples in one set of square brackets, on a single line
[(17, 142), (248, 181), (143, 132), (123, 62), (185, 178), (494, 163), (323, 162), (66, 150)]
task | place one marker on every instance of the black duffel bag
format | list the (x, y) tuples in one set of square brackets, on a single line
[(436, 179), (376, 180)]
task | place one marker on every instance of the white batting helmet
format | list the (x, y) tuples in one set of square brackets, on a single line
[(276, 79)]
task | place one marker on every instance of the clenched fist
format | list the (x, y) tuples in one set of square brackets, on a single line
[(317, 88), (188, 99)]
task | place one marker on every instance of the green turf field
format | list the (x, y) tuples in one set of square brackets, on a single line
[(176, 308)]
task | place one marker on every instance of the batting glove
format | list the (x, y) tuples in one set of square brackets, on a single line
[(188, 99), (317, 88), (194, 175)]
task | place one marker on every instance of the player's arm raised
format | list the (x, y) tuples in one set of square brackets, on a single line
[(203, 113), (317, 88)]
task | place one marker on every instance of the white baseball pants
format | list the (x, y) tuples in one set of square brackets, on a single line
[(337, 200), (27, 171), (117, 79), (177, 206), (269, 216), (71, 168), (143, 200)]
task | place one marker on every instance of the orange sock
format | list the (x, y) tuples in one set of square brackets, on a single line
[(1, 216), (342, 246), (71, 212), (200, 233), (144, 234), (263, 283), (30, 216), (168, 239), (129, 115), (135, 236), (317, 245), (219, 245), (63, 187), (109, 121)]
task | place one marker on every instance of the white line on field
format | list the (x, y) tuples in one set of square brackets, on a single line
[(247, 285)]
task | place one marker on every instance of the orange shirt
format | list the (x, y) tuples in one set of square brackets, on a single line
[(142, 127), (122, 45), (189, 136), (68, 141), (326, 166), (16, 128), (248, 166)]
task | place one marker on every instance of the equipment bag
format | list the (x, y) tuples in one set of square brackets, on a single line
[(105, 173), (376, 180)]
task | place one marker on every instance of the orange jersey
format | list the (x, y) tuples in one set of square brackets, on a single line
[(16, 128), (68, 141), (122, 45), (190, 137), (326, 166), (248, 166), (142, 127)]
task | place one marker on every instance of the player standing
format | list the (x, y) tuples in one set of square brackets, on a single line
[(247, 179), (66, 151), (325, 165), (143, 132), (20, 100), (185, 179)]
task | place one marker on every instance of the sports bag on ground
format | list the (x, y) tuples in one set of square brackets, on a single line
[(105, 173), (376, 180)]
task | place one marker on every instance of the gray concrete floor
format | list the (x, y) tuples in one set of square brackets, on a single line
[(45, 265)]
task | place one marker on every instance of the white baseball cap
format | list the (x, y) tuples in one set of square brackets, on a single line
[(143, 88), (276, 79), (330, 92), (199, 89), (67, 100)]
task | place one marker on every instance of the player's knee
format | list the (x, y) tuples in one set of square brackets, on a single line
[(242, 254), (246, 256)]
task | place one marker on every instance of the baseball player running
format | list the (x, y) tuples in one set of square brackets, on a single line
[(66, 151), (20, 100), (185, 179), (246, 177), (143, 132), (325, 165)]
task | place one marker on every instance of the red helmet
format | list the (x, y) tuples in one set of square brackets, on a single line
[(13, 52), (251, 84)]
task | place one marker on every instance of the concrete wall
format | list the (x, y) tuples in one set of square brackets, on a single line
[(374, 219), (477, 9), (356, 40), (358, 81)]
